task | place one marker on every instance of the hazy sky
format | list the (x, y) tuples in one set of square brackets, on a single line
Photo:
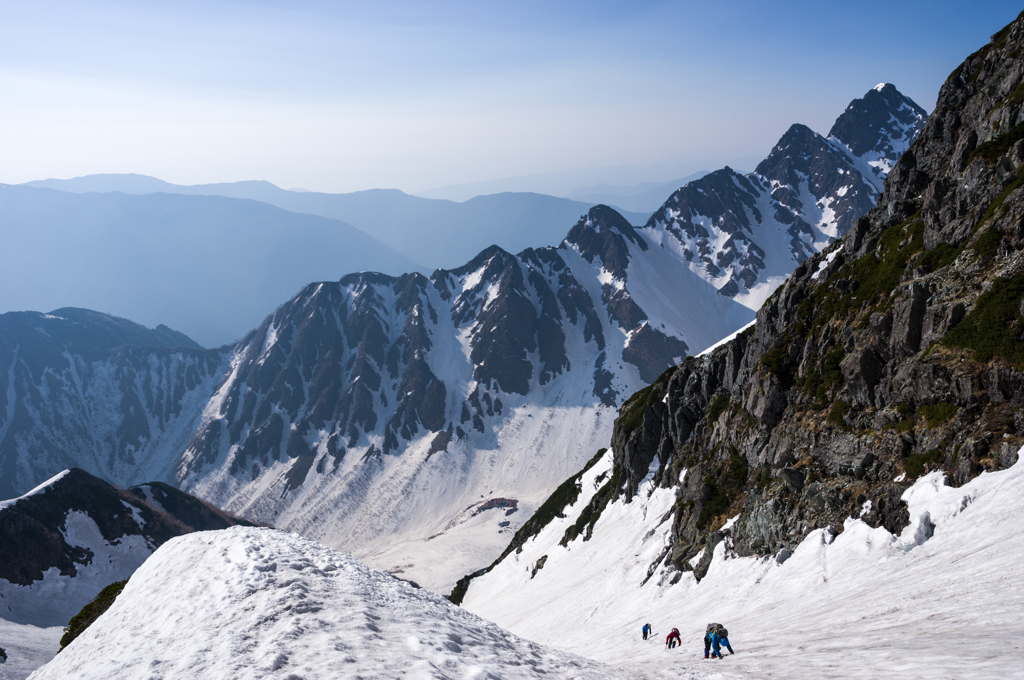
[(337, 96)]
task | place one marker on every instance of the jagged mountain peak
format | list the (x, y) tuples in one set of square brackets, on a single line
[(744, 234), (877, 129), (603, 233), (802, 155)]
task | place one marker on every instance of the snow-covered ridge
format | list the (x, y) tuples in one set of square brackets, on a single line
[(260, 603), (38, 490)]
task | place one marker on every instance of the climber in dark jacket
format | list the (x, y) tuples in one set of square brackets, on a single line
[(673, 639), (647, 630)]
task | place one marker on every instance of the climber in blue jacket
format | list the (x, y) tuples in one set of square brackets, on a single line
[(714, 637)]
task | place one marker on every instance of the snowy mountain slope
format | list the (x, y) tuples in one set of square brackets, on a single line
[(937, 601), (383, 414), (67, 539), (430, 232), (258, 603), (210, 266), (411, 418), (28, 647), (746, 233), (84, 389)]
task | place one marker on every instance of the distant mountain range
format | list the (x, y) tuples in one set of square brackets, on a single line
[(210, 266), (644, 197), (432, 233)]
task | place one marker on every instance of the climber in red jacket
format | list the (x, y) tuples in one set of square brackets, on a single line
[(673, 639)]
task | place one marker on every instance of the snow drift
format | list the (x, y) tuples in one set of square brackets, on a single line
[(259, 603)]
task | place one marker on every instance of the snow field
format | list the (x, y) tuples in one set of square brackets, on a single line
[(942, 600), (259, 603), (28, 647)]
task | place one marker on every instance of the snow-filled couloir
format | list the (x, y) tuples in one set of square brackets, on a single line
[(937, 601)]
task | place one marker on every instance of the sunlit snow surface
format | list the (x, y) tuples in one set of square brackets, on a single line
[(943, 600), (260, 603), (28, 647)]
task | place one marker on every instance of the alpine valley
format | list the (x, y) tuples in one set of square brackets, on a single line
[(417, 421)]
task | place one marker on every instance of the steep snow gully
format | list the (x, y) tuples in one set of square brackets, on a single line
[(939, 601), (935, 602)]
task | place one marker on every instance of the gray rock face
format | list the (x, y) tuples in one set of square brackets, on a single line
[(82, 388), (895, 352)]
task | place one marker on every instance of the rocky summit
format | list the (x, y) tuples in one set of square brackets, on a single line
[(895, 352), (746, 233)]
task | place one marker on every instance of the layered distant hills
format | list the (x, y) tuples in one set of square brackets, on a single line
[(210, 266), (431, 232)]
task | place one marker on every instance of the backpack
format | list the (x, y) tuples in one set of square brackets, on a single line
[(711, 627)]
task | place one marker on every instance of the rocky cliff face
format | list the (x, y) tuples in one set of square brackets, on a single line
[(897, 351), (79, 388)]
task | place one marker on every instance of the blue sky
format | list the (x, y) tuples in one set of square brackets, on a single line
[(347, 96)]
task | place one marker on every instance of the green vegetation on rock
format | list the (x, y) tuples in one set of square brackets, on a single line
[(718, 405), (91, 612), (837, 414), (774, 361), (938, 257), (994, 326), (939, 413), (991, 150), (1016, 183), (633, 415), (987, 245), (915, 465)]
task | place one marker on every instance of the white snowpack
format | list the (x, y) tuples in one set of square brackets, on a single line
[(826, 262), (260, 603), (28, 647), (942, 600), (727, 339)]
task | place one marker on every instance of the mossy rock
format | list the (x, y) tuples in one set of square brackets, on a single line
[(90, 612)]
